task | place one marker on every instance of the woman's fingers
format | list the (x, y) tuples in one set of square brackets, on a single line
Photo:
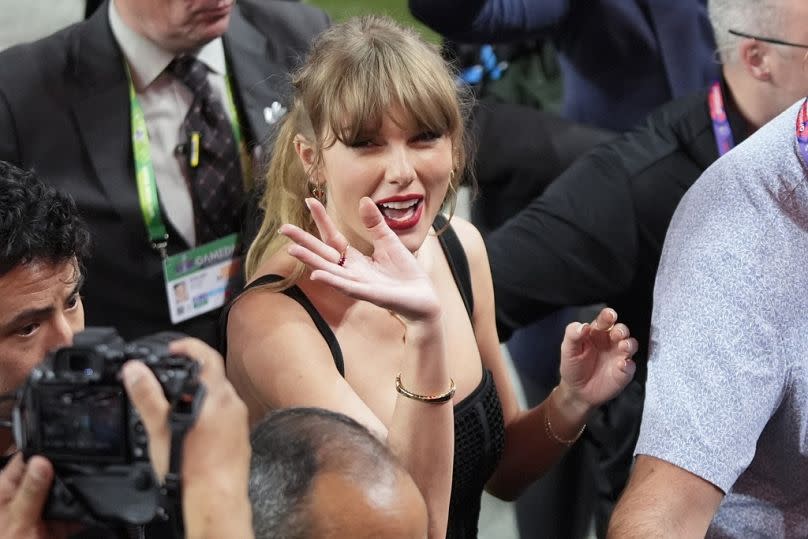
[(605, 320), (574, 336), (310, 242), (605, 332), (630, 346), (619, 332), (373, 220), (628, 367), (329, 232), (315, 261)]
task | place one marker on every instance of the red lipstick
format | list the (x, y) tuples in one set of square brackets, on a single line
[(401, 212)]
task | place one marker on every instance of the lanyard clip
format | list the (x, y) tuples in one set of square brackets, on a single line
[(161, 247)]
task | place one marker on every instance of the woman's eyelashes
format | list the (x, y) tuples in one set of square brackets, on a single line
[(372, 141), (427, 136), (362, 143)]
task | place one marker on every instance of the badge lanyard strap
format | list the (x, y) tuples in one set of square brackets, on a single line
[(722, 131), (246, 164), (802, 132), (144, 168)]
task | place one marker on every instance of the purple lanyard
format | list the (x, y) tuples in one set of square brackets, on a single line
[(802, 132), (721, 128)]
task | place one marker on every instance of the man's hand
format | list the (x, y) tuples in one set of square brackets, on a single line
[(24, 487), (216, 450)]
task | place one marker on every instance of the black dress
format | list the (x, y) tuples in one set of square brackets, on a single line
[(479, 428)]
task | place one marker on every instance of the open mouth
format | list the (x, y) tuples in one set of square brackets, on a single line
[(401, 214)]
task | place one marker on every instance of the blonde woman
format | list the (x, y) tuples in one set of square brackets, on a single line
[(364, 300)]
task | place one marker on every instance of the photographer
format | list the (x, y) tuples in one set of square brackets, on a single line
[(43, 246), (216, 457)]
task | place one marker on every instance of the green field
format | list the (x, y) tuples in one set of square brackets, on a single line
[(397, 9)]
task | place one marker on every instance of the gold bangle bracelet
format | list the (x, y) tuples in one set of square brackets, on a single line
[(432, 399), (548, 428)]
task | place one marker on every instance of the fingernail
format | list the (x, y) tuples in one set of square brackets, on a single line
[(581, 328), (308, 203), (614, 313)]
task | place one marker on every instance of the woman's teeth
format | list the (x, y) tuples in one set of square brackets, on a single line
[(398, 210)]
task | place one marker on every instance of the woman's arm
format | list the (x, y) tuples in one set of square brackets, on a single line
[(594, 369), (277, 357)]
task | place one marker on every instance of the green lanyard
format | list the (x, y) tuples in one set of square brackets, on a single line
[(144, 168)]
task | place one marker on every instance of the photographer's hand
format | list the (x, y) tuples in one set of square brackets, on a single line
[(216, 451), (24, 487)]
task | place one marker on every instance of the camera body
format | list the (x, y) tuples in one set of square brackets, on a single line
[(74, 410)]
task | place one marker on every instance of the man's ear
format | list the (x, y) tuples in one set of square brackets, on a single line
[(306, 152), (756, 57)]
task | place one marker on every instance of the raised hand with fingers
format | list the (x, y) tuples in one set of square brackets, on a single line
[(388, 277), (596, 359)]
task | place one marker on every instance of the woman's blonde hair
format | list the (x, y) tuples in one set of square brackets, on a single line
[(354, 74)]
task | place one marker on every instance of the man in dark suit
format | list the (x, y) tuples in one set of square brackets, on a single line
[(66, 111)]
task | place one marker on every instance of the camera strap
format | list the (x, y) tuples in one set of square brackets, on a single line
[(184, 412)]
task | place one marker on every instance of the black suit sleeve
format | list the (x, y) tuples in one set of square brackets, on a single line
[(520, 151), (576, 244), (491, 21)]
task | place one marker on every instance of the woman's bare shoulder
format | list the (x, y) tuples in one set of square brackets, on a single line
[(472, 242)]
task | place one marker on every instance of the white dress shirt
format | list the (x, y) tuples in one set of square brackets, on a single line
[(165, 101)]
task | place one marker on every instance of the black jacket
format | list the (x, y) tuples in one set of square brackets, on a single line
[(595, 235), (64, 111)]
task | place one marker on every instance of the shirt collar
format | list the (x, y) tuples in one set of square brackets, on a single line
[(147, 60)]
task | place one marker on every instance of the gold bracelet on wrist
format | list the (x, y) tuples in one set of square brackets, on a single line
[(548, 428), (432, 399)]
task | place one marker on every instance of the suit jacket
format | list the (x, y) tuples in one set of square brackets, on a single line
[(619, 59), (64, 111)]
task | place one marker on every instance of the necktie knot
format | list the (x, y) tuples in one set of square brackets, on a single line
[(190, 72)]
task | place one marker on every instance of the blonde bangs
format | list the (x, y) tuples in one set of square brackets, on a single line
[(384, 78)]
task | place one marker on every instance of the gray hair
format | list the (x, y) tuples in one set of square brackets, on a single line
[(758, 17)]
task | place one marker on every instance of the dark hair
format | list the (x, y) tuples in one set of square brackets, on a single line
[(37, 222), (290, 447)]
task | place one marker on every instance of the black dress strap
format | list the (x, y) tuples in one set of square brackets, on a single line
[(296, 294), (458, 263), (455, 256)]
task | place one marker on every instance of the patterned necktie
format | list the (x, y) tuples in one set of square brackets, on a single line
[(215, 177)]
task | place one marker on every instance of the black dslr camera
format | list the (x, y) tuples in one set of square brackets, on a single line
[(74, 410)]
